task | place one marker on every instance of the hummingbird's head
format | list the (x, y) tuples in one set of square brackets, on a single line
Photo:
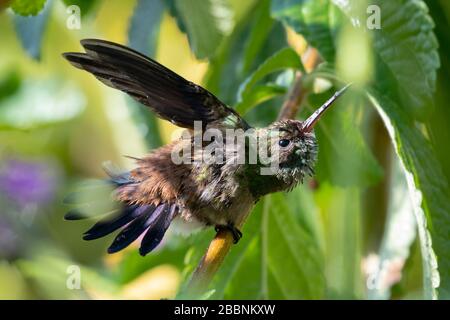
[(295, 151), (295, 146)]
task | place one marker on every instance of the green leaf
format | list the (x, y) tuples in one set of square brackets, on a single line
[(30, 31), (144, 27), (429, 194), (27, 7), (407, 49), (293, 255), (406, 73), (206, 22), (283, 59), (259, 94), (316, 20)]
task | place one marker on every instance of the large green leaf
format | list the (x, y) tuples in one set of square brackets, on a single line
[(407, 49), (206, 22), (405, 44), (406, 73), (429, 194)]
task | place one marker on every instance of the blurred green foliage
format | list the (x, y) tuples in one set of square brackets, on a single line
[(383, 159)]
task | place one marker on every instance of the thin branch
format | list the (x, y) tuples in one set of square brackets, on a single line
[(222, 242), (297, 92)]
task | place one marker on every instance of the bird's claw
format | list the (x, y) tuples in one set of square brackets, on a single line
[(237, 234)]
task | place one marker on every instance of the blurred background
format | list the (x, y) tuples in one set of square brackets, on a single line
[(363, 228)]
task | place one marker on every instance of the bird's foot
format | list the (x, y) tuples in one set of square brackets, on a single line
[(237, 234)]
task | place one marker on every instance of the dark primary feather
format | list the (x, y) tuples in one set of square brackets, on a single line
[(156, 232), (111, 224), (172, 97), (130, 233)]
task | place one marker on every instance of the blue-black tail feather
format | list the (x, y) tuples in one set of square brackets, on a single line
[(136, 228), (133, 219), (156, 231), (111, 224)]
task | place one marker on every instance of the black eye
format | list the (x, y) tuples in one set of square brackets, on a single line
[(284, 143)]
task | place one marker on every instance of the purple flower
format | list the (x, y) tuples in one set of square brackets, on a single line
[(27, 182)]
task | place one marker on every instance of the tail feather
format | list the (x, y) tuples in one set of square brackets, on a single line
[(133, 219), (109, 225), (156, 231), (137, 227)]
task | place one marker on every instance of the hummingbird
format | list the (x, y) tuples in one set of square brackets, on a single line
[(159, 191)]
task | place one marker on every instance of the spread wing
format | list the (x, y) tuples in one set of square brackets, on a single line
[(171, 96)]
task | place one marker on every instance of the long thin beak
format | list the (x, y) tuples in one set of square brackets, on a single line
[(309, 123)]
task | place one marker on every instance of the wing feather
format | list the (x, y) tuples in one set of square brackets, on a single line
[(171, 96)]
